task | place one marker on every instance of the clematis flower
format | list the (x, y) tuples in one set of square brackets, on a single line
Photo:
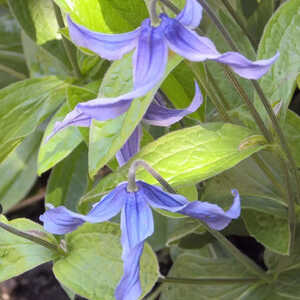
[(137, 223), (105, 109), (151, 46)]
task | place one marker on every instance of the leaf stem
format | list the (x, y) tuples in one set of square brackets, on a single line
[(69, 48), (239, 21), (207, 281), (28, 236), (12, 72), (242, 258)]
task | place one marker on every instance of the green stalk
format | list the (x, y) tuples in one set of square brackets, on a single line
[(239, 256), (67, 44), (239, 21), (29, 237), (219, 106), (12, 72), (151, 4)]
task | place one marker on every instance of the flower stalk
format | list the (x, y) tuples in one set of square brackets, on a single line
[(132, 187), (152, 7), (67, 44), (29, 237)]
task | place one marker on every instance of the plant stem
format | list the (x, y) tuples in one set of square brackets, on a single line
[(28, 236), (264, 100), (239, 21), (171, 6), (215, 86), (259, 121), (291, 204), (132, 176), (67, 44), (219, 106), (155, 20), (207, 281), (12, 72), (239, 256)]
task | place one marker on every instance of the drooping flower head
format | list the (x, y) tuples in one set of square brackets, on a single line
[(137, 223)]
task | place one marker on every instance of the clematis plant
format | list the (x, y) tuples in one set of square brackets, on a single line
[(134, 200), (157, 114)]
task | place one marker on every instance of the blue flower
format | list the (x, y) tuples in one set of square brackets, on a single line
[(105, 109), (137, 223), (151, 44)]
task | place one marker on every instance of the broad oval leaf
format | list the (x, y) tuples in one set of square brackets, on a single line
[(92, 266), (186, 156), (19, 255), (281, 34), (24, 106)]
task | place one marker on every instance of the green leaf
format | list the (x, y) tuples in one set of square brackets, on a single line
[(263, 207), (292, 132), (186, 156), (281, 34), (60, 145), (272, 231), (66, 188), (199, 267), (18, 171), (110, 16), (10, 39), (25, 105), (106, 138), (93, 267), (19, 255), (39, 61), (37, 19)]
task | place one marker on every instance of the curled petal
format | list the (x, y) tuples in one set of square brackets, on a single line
[(213, 215), (197, 48), (129, 287), (74, 118), (191, 15), (162, 116), (131, 147), (61, 220), (109, 46), (245, 67), (158, 198), (136, 221), (103, 109), (151, 56)]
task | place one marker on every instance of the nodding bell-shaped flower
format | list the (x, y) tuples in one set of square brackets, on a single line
[(151, 44), (105, 109), (137, 222)]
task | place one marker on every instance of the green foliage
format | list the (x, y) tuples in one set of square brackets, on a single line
[(19, 255), (197, 153), (281, 35), (25, 105), (93, 267), (18, 171)]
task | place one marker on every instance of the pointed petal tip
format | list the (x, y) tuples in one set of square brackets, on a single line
[(191, 15)]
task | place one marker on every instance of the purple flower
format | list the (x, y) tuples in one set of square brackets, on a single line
[(105, 109), (137, 222), (151, 46)]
